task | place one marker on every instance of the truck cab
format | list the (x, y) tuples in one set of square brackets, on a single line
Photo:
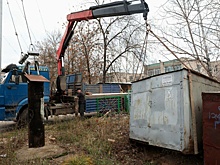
[(14, 91)]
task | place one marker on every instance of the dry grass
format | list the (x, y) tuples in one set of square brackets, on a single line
[(92, 141), (9, 142), (91, 138), (78, 160)]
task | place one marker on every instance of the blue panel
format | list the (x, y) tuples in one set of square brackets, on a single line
[(2, 100), (70, 78), (15, 93), (91, 88), (91, 105), (110, 88), (2, 113)]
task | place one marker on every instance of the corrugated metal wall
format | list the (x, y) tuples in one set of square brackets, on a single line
[(102, 88), (91, 88), (100, 103), (91, 105), (110, 88), (74, 78)]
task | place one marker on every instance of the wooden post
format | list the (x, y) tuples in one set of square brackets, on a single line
[(36, 133)]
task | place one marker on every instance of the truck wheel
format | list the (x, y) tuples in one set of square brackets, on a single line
[(23, 119)]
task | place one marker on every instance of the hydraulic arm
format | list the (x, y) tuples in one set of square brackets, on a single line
[(117, 8)]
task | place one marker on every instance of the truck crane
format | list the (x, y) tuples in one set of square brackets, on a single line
[(118, 8), (66, 101), (13, 88)]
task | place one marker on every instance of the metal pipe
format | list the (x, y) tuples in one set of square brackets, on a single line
[(68, 38), (195, 141), (62, 67), (108, 5)]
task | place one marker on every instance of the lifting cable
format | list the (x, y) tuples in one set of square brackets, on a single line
[(143, 50), (150, 31), (26, 22), (41, 16), (14, 26), (145, 47)]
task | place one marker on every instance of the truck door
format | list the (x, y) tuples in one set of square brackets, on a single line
[(14, 93)]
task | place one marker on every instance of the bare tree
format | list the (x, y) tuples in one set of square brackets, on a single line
[(194, 30), (96, 46), (47, 49), (118, 39), (86, 40)]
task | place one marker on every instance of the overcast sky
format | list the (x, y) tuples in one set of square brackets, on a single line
[(43, 16)]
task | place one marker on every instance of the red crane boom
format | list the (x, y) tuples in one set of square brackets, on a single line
[(117, 8)]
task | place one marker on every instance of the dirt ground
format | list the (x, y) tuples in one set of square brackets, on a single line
[(128, 153), (123, 150)]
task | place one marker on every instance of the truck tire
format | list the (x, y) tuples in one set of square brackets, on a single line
[(23, 118)]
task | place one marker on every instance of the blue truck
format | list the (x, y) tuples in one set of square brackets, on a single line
[(14, 92), (14, 95)]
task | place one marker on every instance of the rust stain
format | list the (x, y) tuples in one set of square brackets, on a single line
[(190, 148), (36, 78)]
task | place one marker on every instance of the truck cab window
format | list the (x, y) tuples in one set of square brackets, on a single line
[(12, 79), (22, 78), (4, 78)]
